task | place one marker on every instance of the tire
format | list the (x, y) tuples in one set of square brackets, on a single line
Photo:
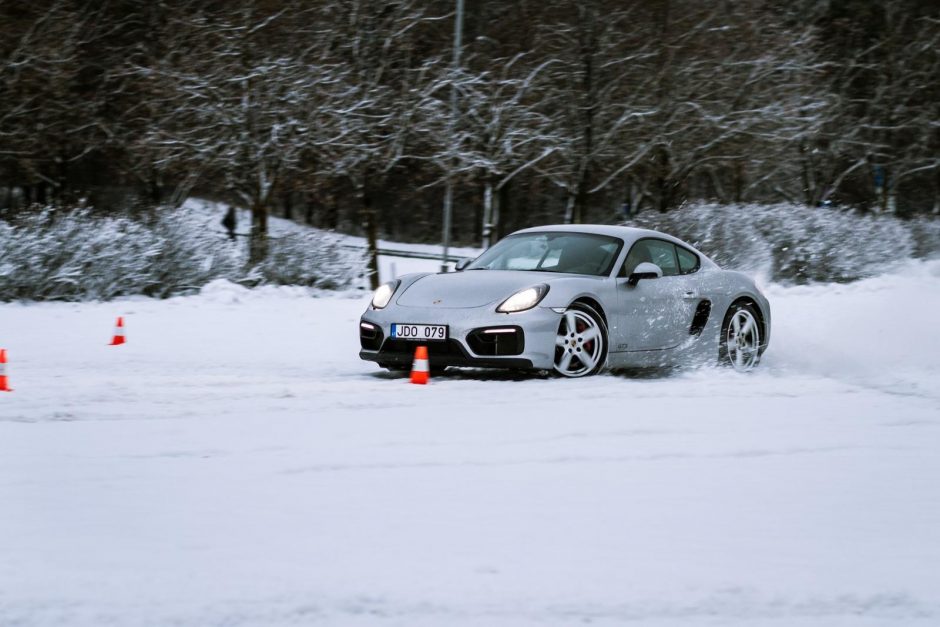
[(740, 341), (582, 351)]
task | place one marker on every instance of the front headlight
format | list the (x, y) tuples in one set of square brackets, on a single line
[(523, 299), (384, 294)]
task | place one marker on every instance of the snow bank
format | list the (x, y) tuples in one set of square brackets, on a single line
[(880, 331), (79, 255)]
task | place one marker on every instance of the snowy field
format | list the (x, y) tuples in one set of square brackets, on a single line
[(235, 464)]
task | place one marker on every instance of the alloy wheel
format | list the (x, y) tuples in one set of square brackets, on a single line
[(579, 344), (742, 341)]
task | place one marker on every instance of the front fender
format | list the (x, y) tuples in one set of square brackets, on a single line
[(564, 291)]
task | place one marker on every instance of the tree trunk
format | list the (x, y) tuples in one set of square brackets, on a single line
[(487, 213), (739, 180), (500, 200), (368, 222), (153, 190), (288, 206), (664, 182), (588, 48), (718, 186), (809, 177), (258, 242), (936, 192), (580, 198), (569, 207), (308, 209), (638, 194), (331, 209)]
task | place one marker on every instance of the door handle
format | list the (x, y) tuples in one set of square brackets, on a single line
[(690, 295)]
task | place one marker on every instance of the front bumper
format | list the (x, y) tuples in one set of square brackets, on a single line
[(535, 331)]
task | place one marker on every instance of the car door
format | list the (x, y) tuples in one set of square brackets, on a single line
[(655, 314)]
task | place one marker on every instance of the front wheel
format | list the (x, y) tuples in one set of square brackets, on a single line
[(740, 338), (581, 342)]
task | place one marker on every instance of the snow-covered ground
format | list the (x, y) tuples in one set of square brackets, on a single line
[(235, 464)]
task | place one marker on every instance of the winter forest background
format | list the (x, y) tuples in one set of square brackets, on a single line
[(802, 133)]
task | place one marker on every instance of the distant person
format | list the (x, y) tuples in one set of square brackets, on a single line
[(627, 211), (230, 222)]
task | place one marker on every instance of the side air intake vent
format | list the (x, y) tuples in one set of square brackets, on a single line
[(700, 318)]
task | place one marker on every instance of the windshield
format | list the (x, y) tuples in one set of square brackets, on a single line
[(572, 253)]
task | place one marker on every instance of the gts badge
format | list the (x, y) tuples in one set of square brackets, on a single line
[(621, 347)]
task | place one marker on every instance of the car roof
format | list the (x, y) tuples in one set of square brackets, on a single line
[(628, 234)]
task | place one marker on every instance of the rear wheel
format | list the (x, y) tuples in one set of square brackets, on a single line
[(581, 342), (740, 338)]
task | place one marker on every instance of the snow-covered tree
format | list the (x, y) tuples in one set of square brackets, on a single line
[(593, 49), (885, 79), (502, 130), (53, 111), (243, 106), (380, 118)]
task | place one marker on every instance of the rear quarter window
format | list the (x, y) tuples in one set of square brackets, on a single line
[(688, 261)]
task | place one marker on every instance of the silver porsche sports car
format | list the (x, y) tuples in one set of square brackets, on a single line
[(573, 299)]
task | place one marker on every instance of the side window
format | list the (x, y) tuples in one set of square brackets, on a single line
[(637, 255), (664, 256), (688, 261), (657, 251)]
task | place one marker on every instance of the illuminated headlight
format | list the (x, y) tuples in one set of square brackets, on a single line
[(523, 299), (384, 294)]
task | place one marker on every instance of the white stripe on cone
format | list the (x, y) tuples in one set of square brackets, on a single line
[(421, 365)]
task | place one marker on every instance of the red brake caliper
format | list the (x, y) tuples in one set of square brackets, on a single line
[(587, 346)]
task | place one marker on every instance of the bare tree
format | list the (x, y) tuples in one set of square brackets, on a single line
[(886, 78), (243, 109), (596, 50), (725, 84), (501, 130), (51, 112), (382, 114), (600, 102)]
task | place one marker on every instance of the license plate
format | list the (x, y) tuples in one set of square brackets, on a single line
[(423, 332)]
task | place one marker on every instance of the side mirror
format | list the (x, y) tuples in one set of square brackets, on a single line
[(645, 270), (462, 263)]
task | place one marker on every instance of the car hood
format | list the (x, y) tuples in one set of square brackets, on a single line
[(473, 288)]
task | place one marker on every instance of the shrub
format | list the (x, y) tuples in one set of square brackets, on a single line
[(797, 244), (78, 255)]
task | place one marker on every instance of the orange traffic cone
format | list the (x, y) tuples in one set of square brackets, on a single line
[(4, 384), (420, 372), (118, 333)]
